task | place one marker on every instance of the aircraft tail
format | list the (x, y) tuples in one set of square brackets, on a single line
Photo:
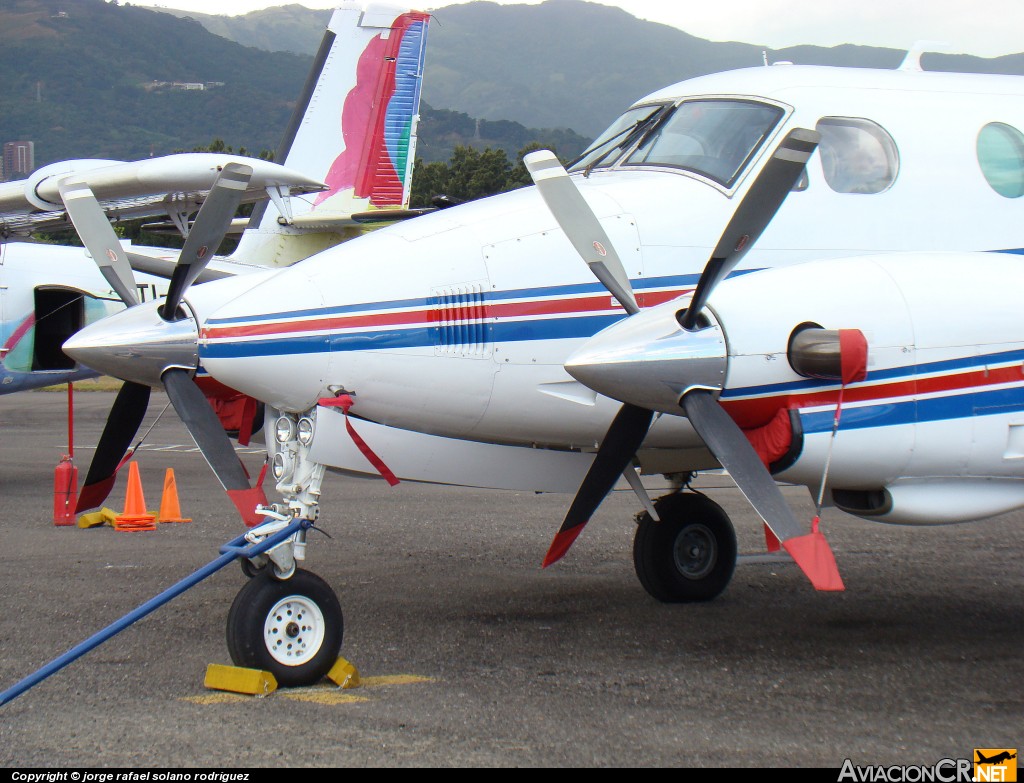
[(354, 128)]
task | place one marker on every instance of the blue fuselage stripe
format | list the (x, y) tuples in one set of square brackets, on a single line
[(579, 289), (891, 414)]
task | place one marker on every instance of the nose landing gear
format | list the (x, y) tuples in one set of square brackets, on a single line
[(287, 620)]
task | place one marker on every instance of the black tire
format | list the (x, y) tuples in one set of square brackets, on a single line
[(249, 569), (292, 629), (688, 556)]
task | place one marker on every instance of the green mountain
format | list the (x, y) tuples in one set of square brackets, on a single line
[(79, 82), (441, 130), (284, 28), (570, 63), (79, 76), (578, 64)]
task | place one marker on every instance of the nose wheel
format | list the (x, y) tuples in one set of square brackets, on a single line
[(690, 555), (291, 628)]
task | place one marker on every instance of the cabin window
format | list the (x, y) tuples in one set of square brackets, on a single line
[(713, 138), (1001, 157), (857, 155)]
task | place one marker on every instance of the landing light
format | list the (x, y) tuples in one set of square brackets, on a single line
[(284, 429), (306, 429), (282, 466)]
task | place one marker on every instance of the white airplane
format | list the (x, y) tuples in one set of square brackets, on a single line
[(354, 128), (475, 347)]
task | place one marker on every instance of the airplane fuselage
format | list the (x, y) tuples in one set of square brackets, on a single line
[(47, 292), (487, 299)]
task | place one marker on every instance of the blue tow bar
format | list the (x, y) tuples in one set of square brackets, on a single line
[(231, 551)]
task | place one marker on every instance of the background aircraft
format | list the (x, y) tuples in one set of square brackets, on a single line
[(354, 128), (479, 331), (48, 292)]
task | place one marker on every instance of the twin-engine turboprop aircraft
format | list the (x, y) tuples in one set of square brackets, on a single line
[(354, 128), (855, 339)]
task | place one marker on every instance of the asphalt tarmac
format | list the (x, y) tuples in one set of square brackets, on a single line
[(473, 655)]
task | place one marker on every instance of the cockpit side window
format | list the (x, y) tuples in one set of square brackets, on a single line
[(620, 136), (1001, 157), (713, 138), (857, 155)]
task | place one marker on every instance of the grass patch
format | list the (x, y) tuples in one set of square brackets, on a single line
[(103, 383)]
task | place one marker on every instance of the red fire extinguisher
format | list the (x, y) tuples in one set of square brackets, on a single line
[(65, 476), (65, 491)]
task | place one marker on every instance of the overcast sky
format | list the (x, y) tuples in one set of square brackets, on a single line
[(983, 27)]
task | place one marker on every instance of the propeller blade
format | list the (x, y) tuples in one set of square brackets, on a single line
[(731, 448), (123, 422), (755, 212), (99, 238), (208, 231), (580, 224), (206, 430), (627, 431)]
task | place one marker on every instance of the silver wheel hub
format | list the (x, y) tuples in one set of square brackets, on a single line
[(294, 630)]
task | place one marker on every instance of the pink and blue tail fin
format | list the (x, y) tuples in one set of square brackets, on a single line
[(354, 128)]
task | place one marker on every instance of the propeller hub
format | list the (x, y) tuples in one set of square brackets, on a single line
[(650, 360), (137, 344)]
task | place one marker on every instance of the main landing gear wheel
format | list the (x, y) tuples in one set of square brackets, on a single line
[(292, 629), (690, 555)]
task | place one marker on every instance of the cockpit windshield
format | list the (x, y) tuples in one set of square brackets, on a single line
[(715, 138), (622, 135)]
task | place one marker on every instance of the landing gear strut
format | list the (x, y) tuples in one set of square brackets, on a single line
[(286, 620), (690, 555)]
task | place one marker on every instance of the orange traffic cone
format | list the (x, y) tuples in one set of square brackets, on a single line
[(170, 509), (135, 518)]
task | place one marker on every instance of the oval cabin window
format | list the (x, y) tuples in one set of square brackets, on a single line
[(1001, 157)]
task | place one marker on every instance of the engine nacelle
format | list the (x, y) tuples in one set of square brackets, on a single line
[(934, 432), (933, 502)]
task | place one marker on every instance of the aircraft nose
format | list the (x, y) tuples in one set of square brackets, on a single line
[(137, 345), (650, 361)]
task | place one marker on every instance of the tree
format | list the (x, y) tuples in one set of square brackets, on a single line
[(428, 180), (469, 174), (475, 174), (518, 175)]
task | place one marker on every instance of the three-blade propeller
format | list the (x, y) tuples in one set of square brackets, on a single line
[(720, 433), (209, 229)]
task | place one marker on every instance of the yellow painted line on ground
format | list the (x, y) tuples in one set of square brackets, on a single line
[(323, 696), (316, 694), (393, 679), (216, 698)]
